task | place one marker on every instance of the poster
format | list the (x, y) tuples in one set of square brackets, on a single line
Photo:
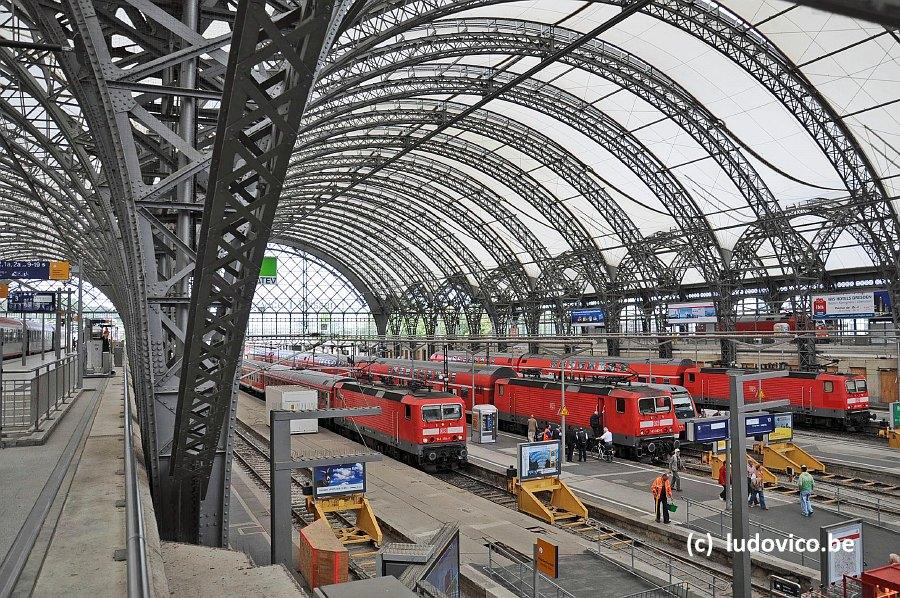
[(334, 480), (539, 459), (784, 428), (857, 304), (591, 316), (692, 313), (837, 561), (444, 574)]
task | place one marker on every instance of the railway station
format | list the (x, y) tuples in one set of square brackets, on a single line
[(450, 298)]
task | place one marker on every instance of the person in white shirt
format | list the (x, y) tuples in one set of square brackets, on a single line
[(606, 438)]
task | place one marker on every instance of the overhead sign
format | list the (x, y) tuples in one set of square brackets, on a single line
[(707, 431), (784, 427), (268, 271), (34, 269), (546, 558), (334, 480), (586, 317), (844, 554), (698, 312), (31, 302), (539, 459), (857, 304)]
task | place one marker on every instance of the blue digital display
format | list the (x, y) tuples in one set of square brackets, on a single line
[(760, 424), (593, 316), (25, 269), (710, 430)]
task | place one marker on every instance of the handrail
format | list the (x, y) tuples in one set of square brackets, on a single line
[(138, 582)]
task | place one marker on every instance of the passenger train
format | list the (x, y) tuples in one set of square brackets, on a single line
[(641, 417), (817, 399), (422, 427), (299, 360), (11, 331)]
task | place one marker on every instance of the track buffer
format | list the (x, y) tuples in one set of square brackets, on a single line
[(549, 499), (365, 529), (787, 457)]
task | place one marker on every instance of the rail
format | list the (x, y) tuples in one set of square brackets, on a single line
[(138, 583), (721, 515), (29, 396)]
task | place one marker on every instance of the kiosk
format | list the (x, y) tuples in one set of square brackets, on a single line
[(484, 424)]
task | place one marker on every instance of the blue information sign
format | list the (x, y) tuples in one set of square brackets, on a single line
[(592, 316), (708, 430), (31, 302), (759, 424), (25, 269)]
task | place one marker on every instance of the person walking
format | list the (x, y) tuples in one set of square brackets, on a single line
[(805, 485), (555, 434), (675, 465), (662, 492), (757, 485), (532, 429), (570, 443), (723, 481), (581, 441)]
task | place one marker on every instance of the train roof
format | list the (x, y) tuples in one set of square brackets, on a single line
[(396, 393), (438, 366), (318, 379), (589, 387)]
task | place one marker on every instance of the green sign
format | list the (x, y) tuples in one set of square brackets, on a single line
[(895, 415), (268, 272)]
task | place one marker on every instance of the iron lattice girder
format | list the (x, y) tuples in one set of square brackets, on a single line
[(561, 105), (452, 38), (423, 170), (394, 192), (255, 137), (468, 153)]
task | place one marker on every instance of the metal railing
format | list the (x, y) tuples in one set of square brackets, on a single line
[(138, 584), (28, 397), (888, 505), (724, 517), (675, 589), (517, 574)]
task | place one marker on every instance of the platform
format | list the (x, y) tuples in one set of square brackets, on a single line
[(417, 504), (625, 486)]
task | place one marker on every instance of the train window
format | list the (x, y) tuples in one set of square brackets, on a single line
[(502, 389), (408, 411), (654, 405), (452, 411), (690, 377), (829, 386), (856, 386), (431, 413), (620, 405)]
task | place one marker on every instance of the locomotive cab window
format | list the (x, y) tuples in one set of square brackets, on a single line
[(690, 377), (451, 412), (654, 405), (431, 413), (829, 386), (408, 411), (434, 413), (856, 386), (620, 405)]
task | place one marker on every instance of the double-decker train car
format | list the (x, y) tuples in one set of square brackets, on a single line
[(422, 427), (642, 419), (517, 398), (14, 341), (300, 360)]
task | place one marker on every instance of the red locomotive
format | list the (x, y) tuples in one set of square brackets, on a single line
[(425, 428), (639, 425), (817, 399)]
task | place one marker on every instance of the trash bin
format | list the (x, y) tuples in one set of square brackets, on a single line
[(484, 424)]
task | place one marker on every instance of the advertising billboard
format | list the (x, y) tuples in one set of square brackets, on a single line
[(31, 302), (784, 427), (857, 304), (845, 561), (335, 480), (539, 459), (268, 271), (698, 312), (444, 574), (588, 316)]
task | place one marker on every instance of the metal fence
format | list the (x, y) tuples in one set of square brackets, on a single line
[(29, 396), (517, 575)]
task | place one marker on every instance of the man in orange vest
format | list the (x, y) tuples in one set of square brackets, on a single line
[(662, 492)]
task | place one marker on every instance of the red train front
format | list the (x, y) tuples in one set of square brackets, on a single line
[(641, 418), (422, 427)]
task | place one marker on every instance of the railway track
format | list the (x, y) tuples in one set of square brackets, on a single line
[(251, 450), (612, 543)]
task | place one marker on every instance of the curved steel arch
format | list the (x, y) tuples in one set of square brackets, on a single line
[(554, 102), (462, 37), (402, 186)]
